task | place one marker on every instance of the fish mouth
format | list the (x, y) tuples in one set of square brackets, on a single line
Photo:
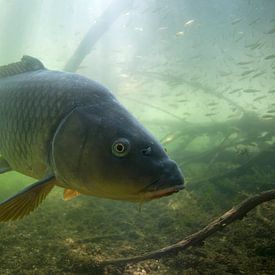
[(159, 188), (162, 192)]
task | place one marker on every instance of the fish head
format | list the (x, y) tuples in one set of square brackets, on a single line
[(104, 151)]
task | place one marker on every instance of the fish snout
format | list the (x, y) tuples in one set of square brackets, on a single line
[(171, 176), (170, 181)]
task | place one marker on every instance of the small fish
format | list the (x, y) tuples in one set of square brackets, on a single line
[(183, 100), (263, 134), (235, 91), (271, 31), (179, 34), (259, 98), (236, 21), (259, 45), (162, 28), (225, 89), (268, 116), (233, 116), (212, 104), (247, 72), (69, 131), (198, 56), (271, 111), (254, 21), (272, 56), (254, 45), (244, 63), (251, 91), (210, 114), (258, 74), (189, 23), (271, 91), (169, 138), (124, 75), (239, 38), (139, 29), (173, 105), (223, 73)]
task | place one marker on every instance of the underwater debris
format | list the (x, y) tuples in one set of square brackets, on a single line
[(235, 213)]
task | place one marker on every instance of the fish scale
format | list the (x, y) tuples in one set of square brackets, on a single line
[(67, 130), (30, 113)]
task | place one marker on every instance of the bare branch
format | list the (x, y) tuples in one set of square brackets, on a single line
[(235, 213), (102, 24)]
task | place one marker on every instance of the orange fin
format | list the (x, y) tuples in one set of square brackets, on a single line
[(24, 202), (70, 194)]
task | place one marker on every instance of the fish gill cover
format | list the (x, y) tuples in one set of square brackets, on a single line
[(200, 75)]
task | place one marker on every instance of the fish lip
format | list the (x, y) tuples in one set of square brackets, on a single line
[(159, 188), (161, 184), (158, 193), (150, 187)]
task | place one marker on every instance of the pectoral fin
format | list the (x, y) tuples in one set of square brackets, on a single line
[(70, 194), (26, 200), (4, 166)]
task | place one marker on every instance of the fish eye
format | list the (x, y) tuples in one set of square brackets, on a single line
[(121, 147)]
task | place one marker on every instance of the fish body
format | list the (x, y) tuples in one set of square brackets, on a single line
[(67, 130), (32, 105)]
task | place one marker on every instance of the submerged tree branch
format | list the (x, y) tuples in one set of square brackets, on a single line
[(235, 213), (102, 24), (155, 107)]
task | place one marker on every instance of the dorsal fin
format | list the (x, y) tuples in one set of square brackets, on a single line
[(27, 64)]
